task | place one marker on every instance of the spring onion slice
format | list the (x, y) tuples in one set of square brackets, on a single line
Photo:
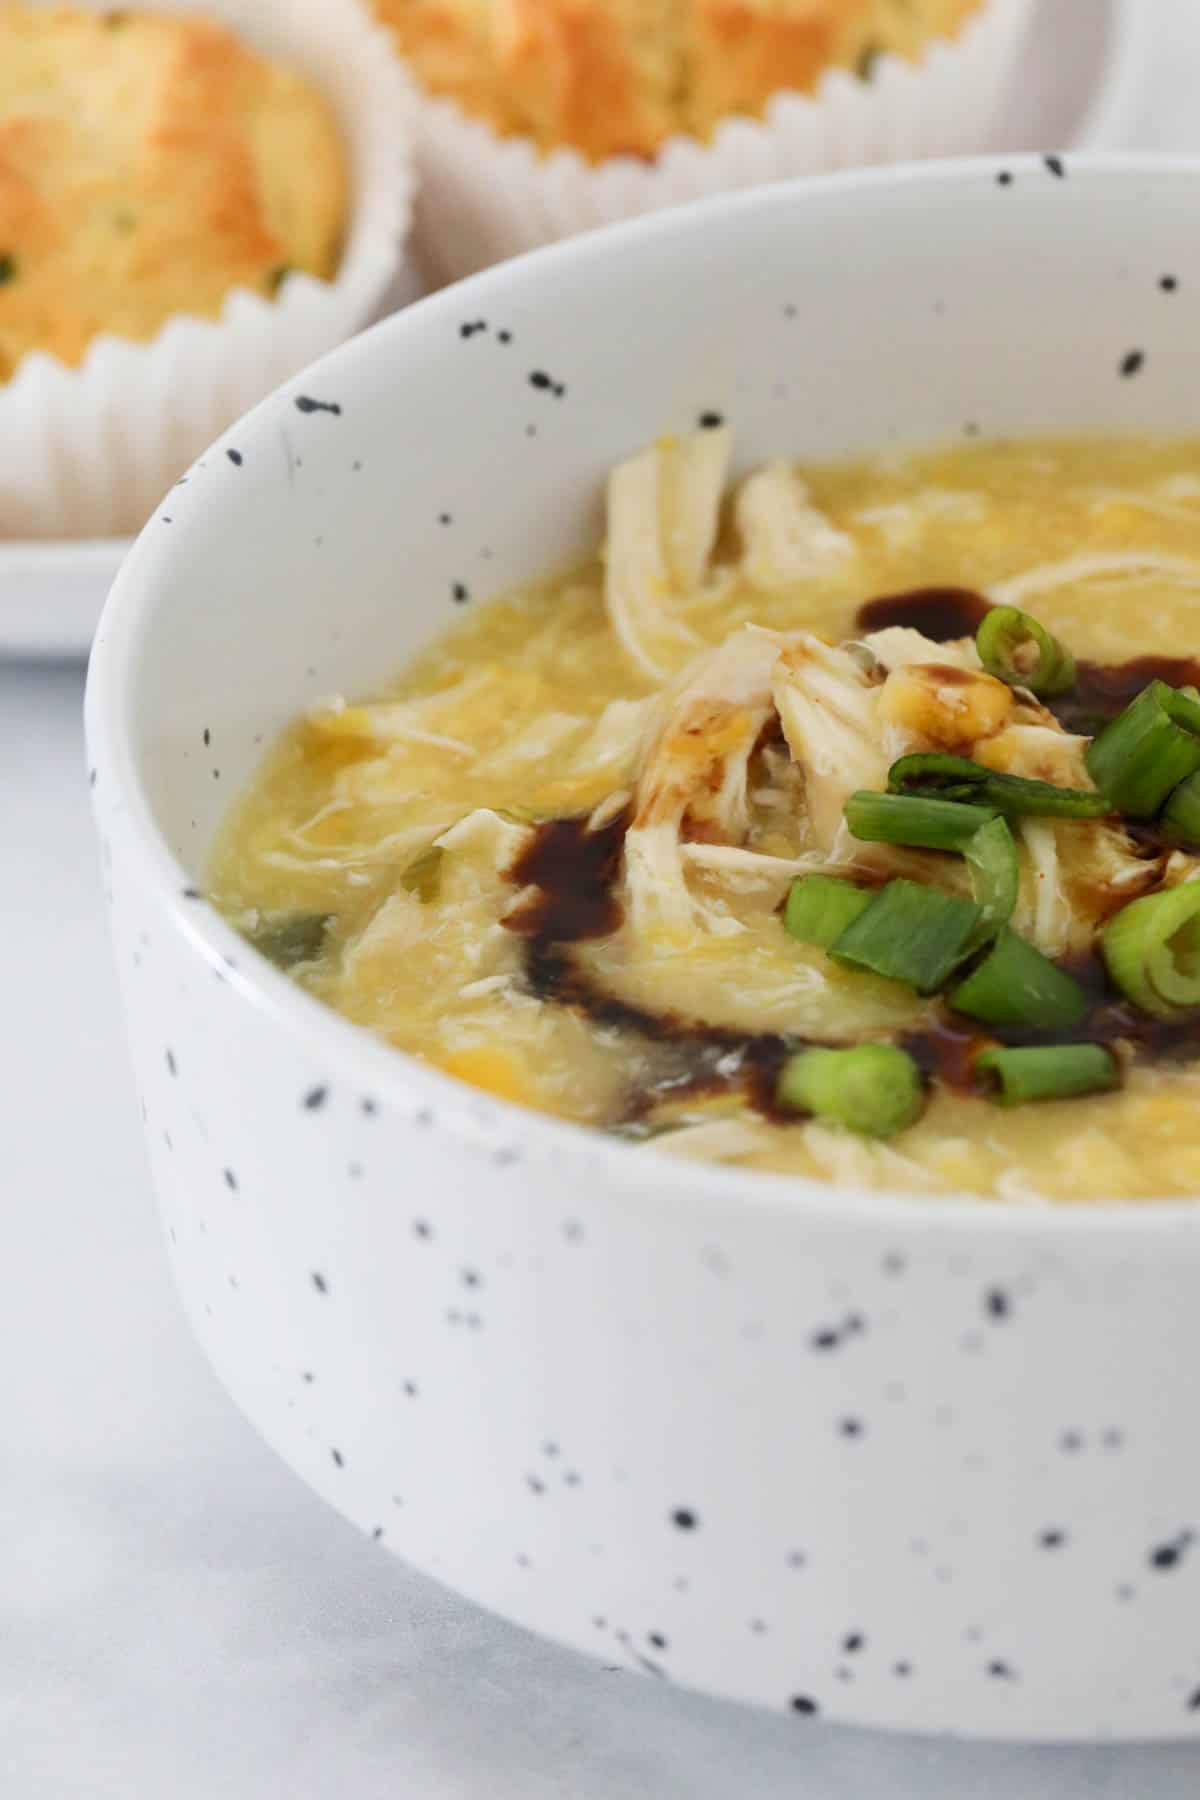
[(1147, 750), (991, 856), (819, 908), (1048, 1072), (1015, 985), (1183, 704), (1014, 647), (913, 820), (910, 933), (1152, 950), (873, 1089), (1181, 816), (934, 773), (289, 939), (935, 768), (979, 834)]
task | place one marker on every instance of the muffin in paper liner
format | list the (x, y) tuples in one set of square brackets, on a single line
[(87, 452), (483, 198)]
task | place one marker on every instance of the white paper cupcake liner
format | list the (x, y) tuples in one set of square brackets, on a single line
[(483, 198), (87, 452)]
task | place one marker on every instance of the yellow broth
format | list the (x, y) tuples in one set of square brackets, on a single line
[(339, 821)]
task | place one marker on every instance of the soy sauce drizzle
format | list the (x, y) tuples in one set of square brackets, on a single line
[(574, 871), (702, 1059), (939, 613), (1102, 690)]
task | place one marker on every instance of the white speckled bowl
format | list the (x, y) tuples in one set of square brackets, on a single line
[(909, 1464)]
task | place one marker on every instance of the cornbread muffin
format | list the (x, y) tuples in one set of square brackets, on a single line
[(612, 77), (148, 165)]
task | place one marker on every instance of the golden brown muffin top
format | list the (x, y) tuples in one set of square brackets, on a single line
[(148, 165), (613, 77)]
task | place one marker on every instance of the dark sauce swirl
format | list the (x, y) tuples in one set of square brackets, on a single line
[(1102, 690), (939, 613)]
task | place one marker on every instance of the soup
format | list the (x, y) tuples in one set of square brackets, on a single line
[(836, 821)]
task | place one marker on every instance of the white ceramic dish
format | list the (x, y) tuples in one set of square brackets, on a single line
[(585, 1384), (51, 594)]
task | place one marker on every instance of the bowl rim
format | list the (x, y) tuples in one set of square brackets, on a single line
[(355, 1057)]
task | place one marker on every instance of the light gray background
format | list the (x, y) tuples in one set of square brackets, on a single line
[(179, 1618)]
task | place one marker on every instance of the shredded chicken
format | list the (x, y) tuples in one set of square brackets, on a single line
[(902, 522), (718, 1140), (479, 849), (897, 646), (540, 738), (696, 770), (1104, 565), (1042, 913), (784, 537), (664, 509), (401, 721), (829, 710), (750, 870), (487, 837), (1039, 753), (616, 737), (861, 1163)]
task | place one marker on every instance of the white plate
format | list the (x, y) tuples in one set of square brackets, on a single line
[(1080, 85), (51, 594)]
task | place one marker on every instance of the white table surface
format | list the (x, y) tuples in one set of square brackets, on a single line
[(179, 1618)]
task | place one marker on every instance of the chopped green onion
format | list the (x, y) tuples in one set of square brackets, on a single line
[(1016, 985), (908, 819), (423, 876), (1147, 750), (991, 856), (979, 834), (874, 1089), (1049, 1072), (289, 939), (1181, 818), (958, 778), (1183, 704), (1152, 950), (934, 768), (819, 908), (910, 933), (1018, 650)]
